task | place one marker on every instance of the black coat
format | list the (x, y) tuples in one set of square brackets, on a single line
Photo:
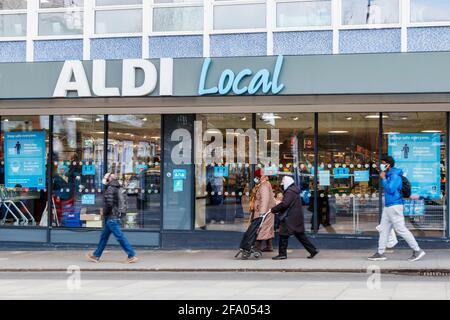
[(294, 222)]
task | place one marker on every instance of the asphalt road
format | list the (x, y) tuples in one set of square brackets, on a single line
[(220, 286)]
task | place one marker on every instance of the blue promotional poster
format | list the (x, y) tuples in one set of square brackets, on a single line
[(361, 175), (341, 173), (88, 199), (25, 159), (418, 155), (179, 174), (220, 172), (88, 170)]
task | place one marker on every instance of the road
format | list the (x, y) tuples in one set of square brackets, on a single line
[(220, 286)]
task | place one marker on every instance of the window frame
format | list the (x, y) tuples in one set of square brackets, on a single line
[(59, 10), (216, 3), (428, 24), (16, 12), (398, 25), (189, 3), (301, 28), (97, 8)]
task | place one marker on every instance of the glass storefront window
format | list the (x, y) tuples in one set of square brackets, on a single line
[(430, 10), (362, 12), (304, 13), (296, 154), (417, 141), (223, 187), (23, 183), (178, 19), (134, 156), (245, 16), (77, 171), (347, 176), (118, 21)]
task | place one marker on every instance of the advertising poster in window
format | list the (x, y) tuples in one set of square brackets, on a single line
[(25, 159), (418, 155)]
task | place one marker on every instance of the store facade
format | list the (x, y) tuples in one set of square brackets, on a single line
[(185, 136)]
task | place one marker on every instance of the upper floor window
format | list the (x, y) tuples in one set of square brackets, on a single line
[(60, 17), (239, 14), (305, 13), (13, 18), (177, 15), (430, 10), (364, 12), (118, 16)]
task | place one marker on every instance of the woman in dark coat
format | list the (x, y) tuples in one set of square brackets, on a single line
[(293, 224)]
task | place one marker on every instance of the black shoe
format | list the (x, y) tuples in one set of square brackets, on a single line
[(312, 255), (279, 257)]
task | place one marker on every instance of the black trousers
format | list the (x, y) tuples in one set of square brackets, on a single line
[(301, 236)]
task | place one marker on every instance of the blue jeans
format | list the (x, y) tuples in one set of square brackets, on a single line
[(113, 226)]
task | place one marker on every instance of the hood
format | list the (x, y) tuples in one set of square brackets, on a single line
[(394, 171), (287, 182)]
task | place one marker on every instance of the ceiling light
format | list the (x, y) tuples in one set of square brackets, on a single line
[(375, 116), (155, 137), (295, 118), (338, 131), (145, 119), (243, 118), (349, 118), (76, 119), (6, 120), (392, 133), (404, 118), (431, 131)]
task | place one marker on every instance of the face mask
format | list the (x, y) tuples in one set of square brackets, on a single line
[(383, 167), (105, 181), (256, 180)]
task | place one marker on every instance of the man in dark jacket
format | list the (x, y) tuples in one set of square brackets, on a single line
[(114, 209), (293, 223)]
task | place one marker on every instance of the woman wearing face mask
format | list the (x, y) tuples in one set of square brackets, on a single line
[(292, 220), (261, 202)]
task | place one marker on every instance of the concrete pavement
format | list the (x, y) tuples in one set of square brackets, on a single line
[(352, 261)]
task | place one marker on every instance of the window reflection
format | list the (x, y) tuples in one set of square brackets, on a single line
[(361, 12)]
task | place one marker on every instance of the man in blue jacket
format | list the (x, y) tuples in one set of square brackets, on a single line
[(392, 216)]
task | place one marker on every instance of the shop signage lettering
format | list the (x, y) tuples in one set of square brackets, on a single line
[(73, 78), (229, 81)]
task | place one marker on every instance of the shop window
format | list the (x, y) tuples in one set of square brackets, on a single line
[(23, 182), (366, 12), (304, 13), (245, 15), (417, 141), (134, 156), (118, 16), (296, 154), (77, 199), (13, 18), (430, 10), (347, 173), (223, 182)]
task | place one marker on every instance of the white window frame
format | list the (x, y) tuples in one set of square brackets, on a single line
[(302, 28), (238, 2), (116, 8), (39, 10), (177, 5), (15, 12)]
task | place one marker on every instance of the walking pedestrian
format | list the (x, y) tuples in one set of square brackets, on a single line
[(114, 209), (392, 215), (290, 211), (261, 202)]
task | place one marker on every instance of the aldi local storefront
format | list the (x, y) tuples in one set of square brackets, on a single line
[(185, 137)]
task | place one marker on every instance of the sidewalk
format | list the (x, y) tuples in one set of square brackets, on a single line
[(353, 261)]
